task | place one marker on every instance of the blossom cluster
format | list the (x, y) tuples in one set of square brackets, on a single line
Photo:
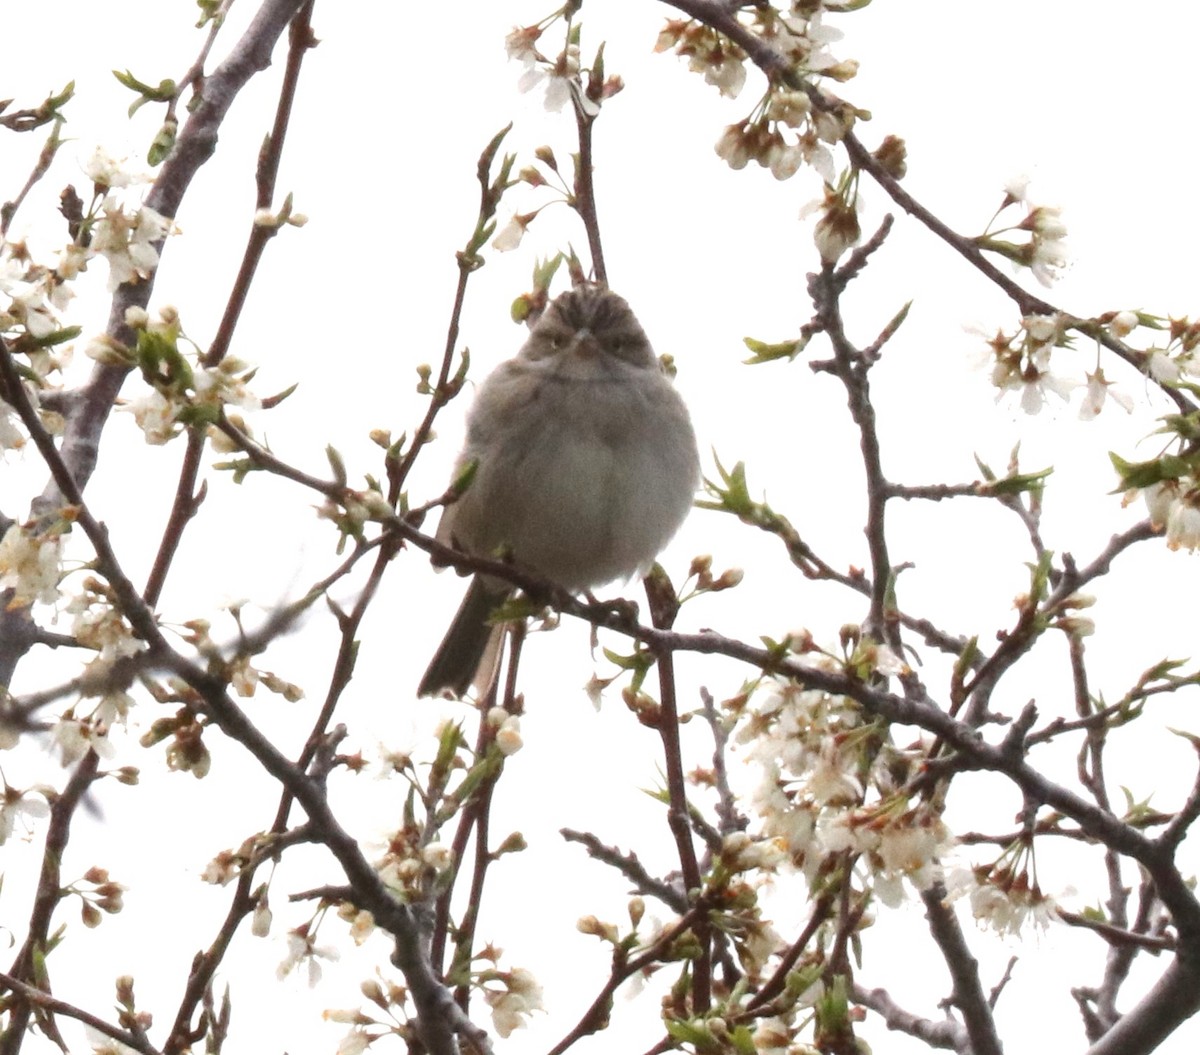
[(1174, 507), (827, 788), (560, 77), (184, 389), (828, 792), (793, 124), (114, 226), (1021, 362), (408, 867), (1042, 247), (30, 565), (1002, 897), (515, 995), (562, 80), (31, 298), (1170, 483)]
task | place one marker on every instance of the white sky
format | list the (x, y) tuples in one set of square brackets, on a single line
[(393, 109)]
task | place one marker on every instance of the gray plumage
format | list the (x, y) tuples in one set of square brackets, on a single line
[(586, 465)]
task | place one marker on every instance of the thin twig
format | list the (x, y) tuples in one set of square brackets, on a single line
[(187, 499), (45, 1002), (663, 608), (49, 894), (968, 995)]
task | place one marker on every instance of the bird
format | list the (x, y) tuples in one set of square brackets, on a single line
[(584, 467)]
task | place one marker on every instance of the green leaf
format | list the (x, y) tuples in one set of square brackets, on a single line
[(691, 1033), (1018, 483), (985, 469), (337, 464), (638, 661), (67, 333), (1145, 474), (240, 467), (209, 10), (463, 480), (768, 353), (483, 770), (1040, 577), (598, 65), (448, 744), (161, 362), (545, 270), (199, 414), (163, 143), (732, 491), (484, 168)]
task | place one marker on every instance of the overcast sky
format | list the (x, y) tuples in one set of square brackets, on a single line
[(393, 110)]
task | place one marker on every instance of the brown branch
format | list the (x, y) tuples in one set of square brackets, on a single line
[(445, 389), (1020, 639), (723, 18), (1176, 831), (944, 1034), (968, 995), (664, 606), (49, 894), (631, 868), (478, 815), (45, 156), (438, 1018), (196, 143), (596, 1016), (187, 499), (1173, 998), (45, 1002), (731, 818), (585, 191), (1118, 936), (778, 981), (852, 369)]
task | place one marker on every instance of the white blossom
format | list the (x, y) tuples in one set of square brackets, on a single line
[(30, 566), (510, 235), (20, 807), (1123, 324), (108, 171), (127, 241), (354, 1042), (727, 76), (1159, 499), (1098, 390), (1183, 525), (12, 436), (513, 1005), (155, 416), (1161, 367), (302, 950)]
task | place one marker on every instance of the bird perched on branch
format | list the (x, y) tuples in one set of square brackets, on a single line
[(585, 465)]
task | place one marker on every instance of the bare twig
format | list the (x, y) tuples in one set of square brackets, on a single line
[(596, 1016), (25, 967), (968, 995), (47, 1003), (196, 143), (631, 868), (945, 1034), (663, 608), (1117, 936), (187, 499)]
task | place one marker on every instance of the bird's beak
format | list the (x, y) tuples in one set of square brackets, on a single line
[(586, 346)]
